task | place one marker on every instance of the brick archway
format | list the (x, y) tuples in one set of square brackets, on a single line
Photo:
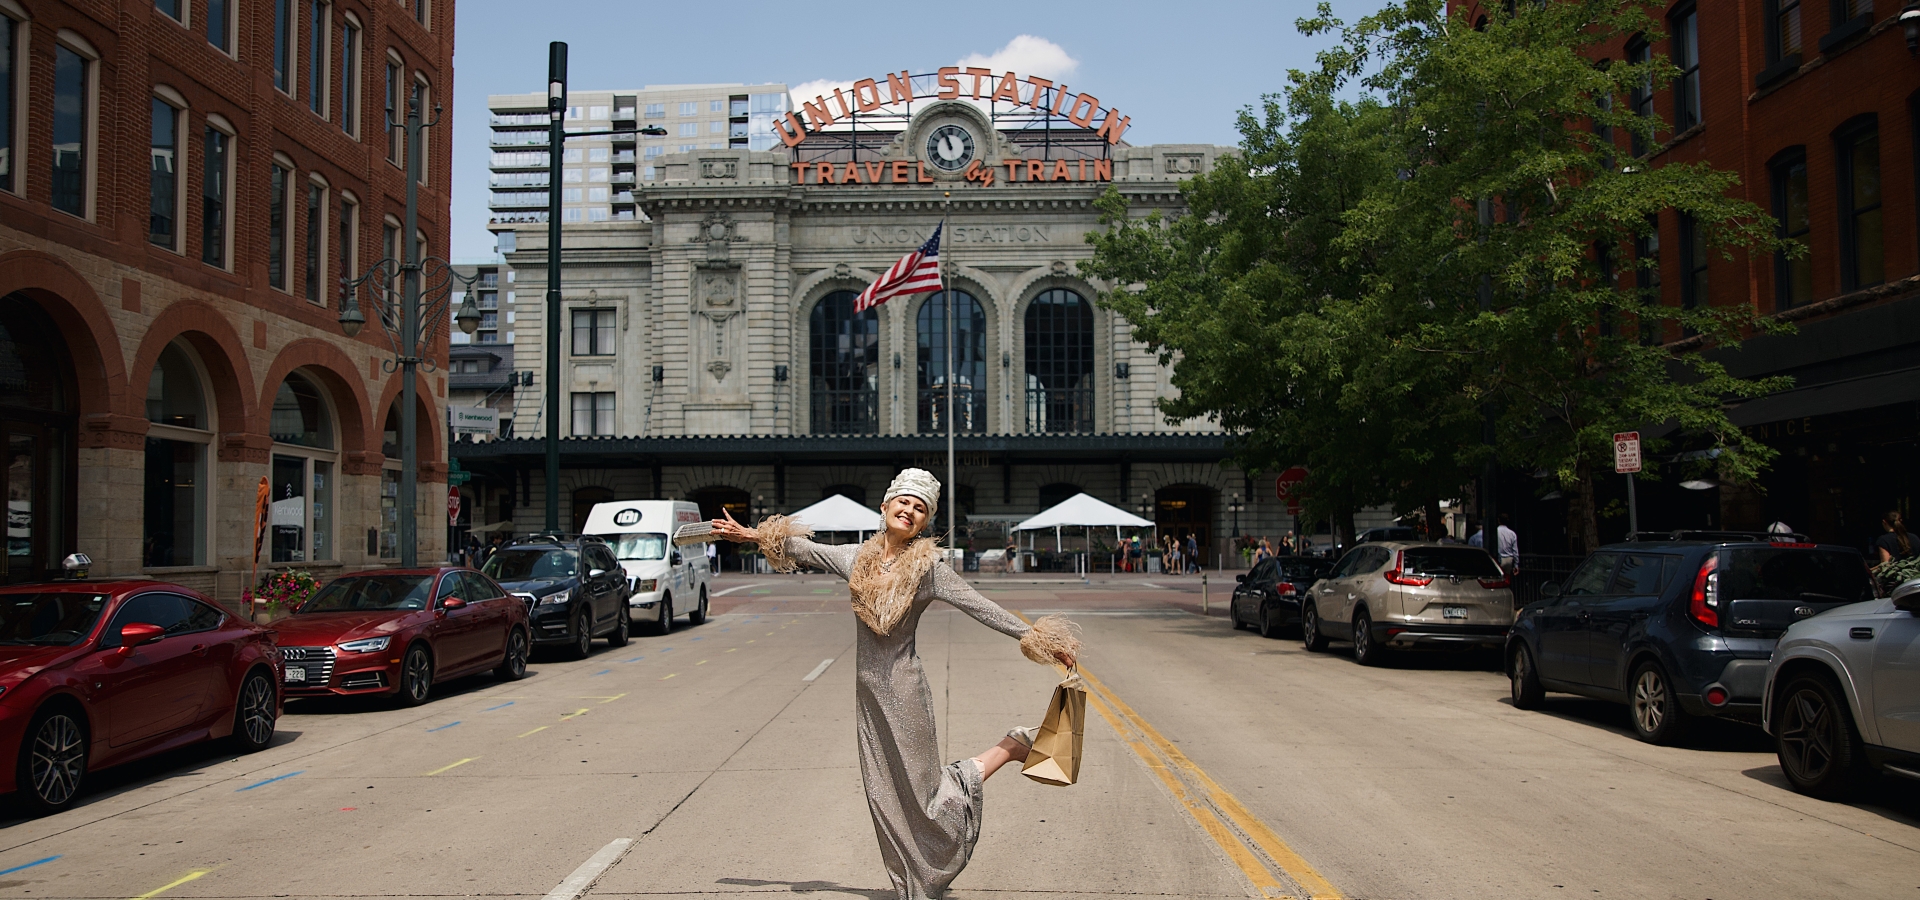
[(337, 375), (220, 350), (432, 461), (100, 378)]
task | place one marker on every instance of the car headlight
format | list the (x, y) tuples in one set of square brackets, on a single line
[(645, 585), (365, 645), (556, 598)]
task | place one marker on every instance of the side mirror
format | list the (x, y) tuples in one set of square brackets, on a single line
[(1907, 596), (596, 573), (676, 559), (133, 634), (1550, 590), (453, 603), (1240, 579)]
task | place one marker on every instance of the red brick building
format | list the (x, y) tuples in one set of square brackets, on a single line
[(183, 183), (1815, 104)]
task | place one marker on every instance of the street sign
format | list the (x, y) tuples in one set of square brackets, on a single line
[(473, 420), (1626, 452), (1287, 487), (453, 507)]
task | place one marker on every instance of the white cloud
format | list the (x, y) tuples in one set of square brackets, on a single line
[(1027, 55)]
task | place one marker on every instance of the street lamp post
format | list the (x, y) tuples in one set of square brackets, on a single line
[(407, 335), (1235, 506)]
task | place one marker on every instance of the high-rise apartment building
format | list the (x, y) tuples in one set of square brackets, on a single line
[(601, 171)]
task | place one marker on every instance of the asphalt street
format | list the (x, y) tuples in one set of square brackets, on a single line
[(720, 760)]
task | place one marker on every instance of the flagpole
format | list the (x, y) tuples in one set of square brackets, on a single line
[(946, 301)]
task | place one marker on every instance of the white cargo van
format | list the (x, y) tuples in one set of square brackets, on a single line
[(665, 582)]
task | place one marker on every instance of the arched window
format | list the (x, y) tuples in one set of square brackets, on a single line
[(844, 366), (176, 478), (1059, 362), (303, 466), (969, 362), (37, 424)]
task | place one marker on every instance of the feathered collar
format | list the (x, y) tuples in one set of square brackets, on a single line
[(882, 597)]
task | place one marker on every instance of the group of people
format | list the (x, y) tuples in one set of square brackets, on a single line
[(1289, 544), (474, 554)]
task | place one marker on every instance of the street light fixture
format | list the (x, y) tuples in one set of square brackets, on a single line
[(404, 303), (1910, 23), (1235, 506)]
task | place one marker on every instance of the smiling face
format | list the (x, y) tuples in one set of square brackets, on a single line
[(904, 515)]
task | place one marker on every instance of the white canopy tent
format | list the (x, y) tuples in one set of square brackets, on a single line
[(1087, 512), (839, 513)]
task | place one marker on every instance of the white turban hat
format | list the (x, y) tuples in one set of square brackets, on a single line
[(916, 483)]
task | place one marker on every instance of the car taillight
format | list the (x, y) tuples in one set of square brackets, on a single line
[(1494, 584), (1283, 588), (1397, 574), (1704, 606)]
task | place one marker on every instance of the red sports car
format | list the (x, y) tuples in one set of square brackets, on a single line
[(397, 631), (97, 673)]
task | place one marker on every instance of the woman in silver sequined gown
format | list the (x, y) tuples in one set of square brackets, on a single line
[(927, 815)]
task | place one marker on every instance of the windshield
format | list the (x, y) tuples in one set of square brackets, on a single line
[(356, 593), (1305, 570), (1808, 576), (1465, 562), (528, 564), (637, 546), (52, 619)]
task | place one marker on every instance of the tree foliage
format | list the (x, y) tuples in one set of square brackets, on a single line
[(1321, 294)]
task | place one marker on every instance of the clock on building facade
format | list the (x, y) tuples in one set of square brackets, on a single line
[(950, 147)]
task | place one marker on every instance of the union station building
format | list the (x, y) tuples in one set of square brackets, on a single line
[(713, 352)]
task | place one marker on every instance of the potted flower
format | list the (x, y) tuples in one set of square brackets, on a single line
[(279, 594)]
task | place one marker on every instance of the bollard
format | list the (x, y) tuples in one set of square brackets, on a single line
[(1203, 594)]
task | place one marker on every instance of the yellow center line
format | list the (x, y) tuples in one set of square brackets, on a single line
[(575, 714), (731, 649), (536, 730), (1168, 763), (752, 640), (454, 765), (669, 676), (190, 876), (603, 699), (701, 663)]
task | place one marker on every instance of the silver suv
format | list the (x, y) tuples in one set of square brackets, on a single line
[(1394, 595), (1843, 694)]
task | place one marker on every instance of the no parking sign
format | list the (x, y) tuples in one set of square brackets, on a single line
[(1626, 452)]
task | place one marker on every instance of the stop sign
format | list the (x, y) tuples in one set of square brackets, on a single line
[(1287, 486), (453, 507)]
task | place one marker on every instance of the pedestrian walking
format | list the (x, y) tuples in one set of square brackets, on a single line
[(1192, 554), (1507, 546), (1895, 543), (927, 816)]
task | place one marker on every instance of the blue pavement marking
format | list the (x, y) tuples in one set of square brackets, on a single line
[(269, 781), (635, 659), (501, 706), (30, 865), (446, 726), (665, 649), (699, 639), (601, 672)]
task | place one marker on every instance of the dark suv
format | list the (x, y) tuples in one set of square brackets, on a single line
[(573, 588), (1677, 626), (1268, 598)]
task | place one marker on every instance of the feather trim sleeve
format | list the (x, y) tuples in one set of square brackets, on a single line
[(1049, 637), (775, 532)]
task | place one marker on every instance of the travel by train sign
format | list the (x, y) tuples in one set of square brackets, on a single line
[(1041, 96)]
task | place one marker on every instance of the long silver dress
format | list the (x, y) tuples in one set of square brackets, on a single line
[(927, 815)]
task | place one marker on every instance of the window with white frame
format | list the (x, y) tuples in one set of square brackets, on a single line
[(165, 186), (319, 55), (593, 414), (216, 162), (347, 248), (395, 136), (316, 242), (73, 126), (179, 433), (13, 38), (285, 15), (220, 22), (304, 457), (350, 76), (279, 234)]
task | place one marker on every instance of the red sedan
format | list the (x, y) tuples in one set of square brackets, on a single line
[(98, 673), (397, 631)]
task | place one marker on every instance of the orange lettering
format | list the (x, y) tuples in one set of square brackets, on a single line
[(874, 171), (1059, 172), (1084, 106), (852, 174), (1008, 88), (1113, 126), (949, 85), (823, 173), (819, 113), (1013, 168), (1059, 97), (900, 171), (861, 89), (978, 73), (1040, 86), (899, 89), (790, 138), (1036, 170), (1082, 165), (920, 173), (800, 171), (1103, 170)]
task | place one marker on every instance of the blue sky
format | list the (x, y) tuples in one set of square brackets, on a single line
[(1182, 69)]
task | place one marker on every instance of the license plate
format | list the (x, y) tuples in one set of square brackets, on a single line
[(1454, 612), (296, 674)]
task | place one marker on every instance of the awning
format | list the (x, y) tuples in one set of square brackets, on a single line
[(1081, 509), (838, 513)]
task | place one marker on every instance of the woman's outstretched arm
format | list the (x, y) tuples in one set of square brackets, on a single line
[(784, 542), (1048, 640)]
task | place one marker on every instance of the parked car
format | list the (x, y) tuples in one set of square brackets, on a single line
[(98, 673), (396, 632), (1843, 695), (1386, 533), (1678, 626), (665, 582), (1268, 598), (1404, 595), (573, 588)]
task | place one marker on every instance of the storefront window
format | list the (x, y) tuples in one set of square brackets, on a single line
[(176, 470), (36, 435), (302, 480)]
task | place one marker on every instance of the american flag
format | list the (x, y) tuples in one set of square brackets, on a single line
[(915, 273)]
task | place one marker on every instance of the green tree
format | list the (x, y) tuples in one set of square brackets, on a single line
[(1322, 297)]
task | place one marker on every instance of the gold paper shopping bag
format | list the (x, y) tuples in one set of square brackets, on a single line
[(1055, 757)]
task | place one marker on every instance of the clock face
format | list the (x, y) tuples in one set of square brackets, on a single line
[(950, 147)]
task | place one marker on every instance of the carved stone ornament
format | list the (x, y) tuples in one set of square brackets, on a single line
[(719, 168), (717, 226), (719, 368), (1059, 267), (842, 270), (1182, 163), (718, 288)]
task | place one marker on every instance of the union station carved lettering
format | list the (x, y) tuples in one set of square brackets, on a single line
[(959, 234)]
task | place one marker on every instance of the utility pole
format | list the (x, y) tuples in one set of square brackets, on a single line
[(1489, 477), (556, 143)]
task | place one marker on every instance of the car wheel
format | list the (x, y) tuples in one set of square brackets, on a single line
[(1310, 627), (1365, 651), (53, 760), (254, 714), (699, 614), (623, 630), (1233, 613), (1815, 738), (1527, 692), (513, 666), (663, 624), (416, 676), (1267, 628), (582, 645), (1653, 708)]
